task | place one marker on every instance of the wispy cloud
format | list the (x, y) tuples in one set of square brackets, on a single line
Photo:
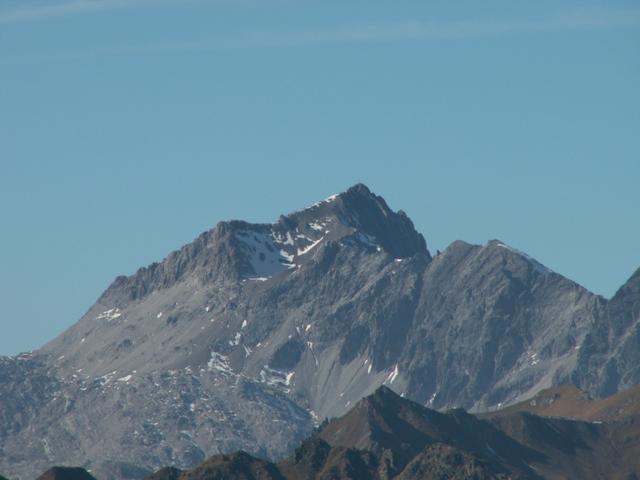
[(53, 9), (576, 20), (437, 30)]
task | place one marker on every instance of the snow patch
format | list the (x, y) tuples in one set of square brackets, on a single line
[(220, 363), (105, 379), (265, 256), (392, 376), (276, 378), (110, 314), (289, 240), (313, 354), (326, 200), (314, 416), (310, 247), (289, 377), (533, 360)]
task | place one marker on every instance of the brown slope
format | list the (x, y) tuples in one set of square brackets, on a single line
[(567, 448), (238, 466), (398, 429), (595, 439), (439, 461), (571, 402), (408, 441)]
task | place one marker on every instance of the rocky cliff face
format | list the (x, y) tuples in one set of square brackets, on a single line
[(248, 336), (609, 359)]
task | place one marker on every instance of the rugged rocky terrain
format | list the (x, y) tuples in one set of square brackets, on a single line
[(253, 333), (387, 437)]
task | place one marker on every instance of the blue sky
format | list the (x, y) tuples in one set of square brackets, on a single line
[(128, 127)]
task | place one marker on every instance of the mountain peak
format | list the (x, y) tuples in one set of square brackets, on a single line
[(359, 188), (238, 250), (356, 217), (384, 396), (361, 213)]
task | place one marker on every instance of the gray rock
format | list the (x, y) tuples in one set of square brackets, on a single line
[(250, 335)]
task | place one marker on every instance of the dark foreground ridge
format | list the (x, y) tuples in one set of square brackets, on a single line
[(387, 437), (66, 473)]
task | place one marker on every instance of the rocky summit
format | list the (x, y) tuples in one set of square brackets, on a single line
[(252, 334)]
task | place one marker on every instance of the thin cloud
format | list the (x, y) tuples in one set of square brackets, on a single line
[(577, 20), (434, 30), (410, 30), (54, 10)]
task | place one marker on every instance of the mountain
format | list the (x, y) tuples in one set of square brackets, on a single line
[(387, 437), (248, 337)]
